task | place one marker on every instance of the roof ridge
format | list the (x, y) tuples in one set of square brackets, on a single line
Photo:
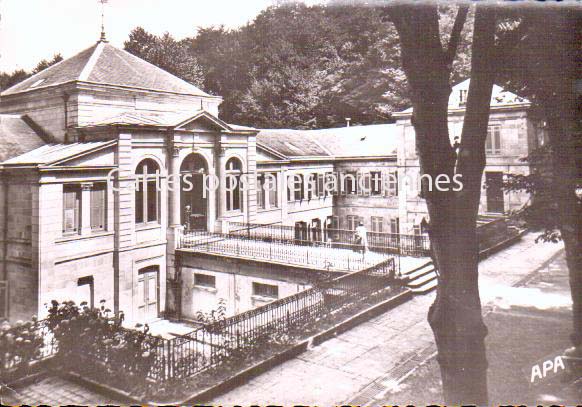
[(157, 67), (88, 68)]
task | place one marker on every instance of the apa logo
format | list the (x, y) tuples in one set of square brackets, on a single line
[(547, 366)]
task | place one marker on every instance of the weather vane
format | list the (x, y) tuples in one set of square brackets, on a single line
[(103, 2)]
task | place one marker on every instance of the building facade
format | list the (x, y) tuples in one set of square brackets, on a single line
[(107, 159)]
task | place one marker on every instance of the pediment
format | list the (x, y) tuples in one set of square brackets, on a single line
[(203, 121)]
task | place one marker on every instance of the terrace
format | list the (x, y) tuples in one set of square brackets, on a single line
[(329, 249)]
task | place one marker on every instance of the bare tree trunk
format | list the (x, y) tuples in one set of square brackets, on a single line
[(455, 317)]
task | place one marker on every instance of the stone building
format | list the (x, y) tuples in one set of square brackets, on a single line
[(107, 158), (512, 134)]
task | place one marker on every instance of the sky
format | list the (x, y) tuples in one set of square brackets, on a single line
[(31, 30)]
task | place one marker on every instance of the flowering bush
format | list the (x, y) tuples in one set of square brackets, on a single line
[(92, 342), (19, 344)]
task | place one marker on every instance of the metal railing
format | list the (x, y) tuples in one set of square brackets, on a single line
[(312, 254), (218, 342), (221, 341), (22, 347), (396, 243)]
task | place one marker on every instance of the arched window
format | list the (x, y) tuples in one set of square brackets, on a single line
[(147, 194), (233, 189)]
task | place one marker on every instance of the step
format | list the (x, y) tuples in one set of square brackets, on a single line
[(425, 288), (428, 263), (419, 272), (419, 282)]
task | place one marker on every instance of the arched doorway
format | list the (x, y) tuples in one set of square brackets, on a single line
[(194, 203)]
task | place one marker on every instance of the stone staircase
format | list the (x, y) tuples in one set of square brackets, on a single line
[(423, 279)]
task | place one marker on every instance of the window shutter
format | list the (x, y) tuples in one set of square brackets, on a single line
[(98, 207)]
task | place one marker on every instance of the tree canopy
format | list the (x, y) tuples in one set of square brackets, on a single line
[(299, 66)]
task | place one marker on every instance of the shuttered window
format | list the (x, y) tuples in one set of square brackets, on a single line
[(377, 224), (493, 141), (98, 206), (71, 208)]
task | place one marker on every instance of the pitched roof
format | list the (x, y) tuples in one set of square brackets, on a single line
[(16, 137), (52, 153), (499, 97), (342, 142), (105, 64)]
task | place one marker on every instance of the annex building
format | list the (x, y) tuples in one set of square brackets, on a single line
[(94, 206)]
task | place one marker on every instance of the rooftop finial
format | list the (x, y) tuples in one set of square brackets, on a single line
[(103, 38)]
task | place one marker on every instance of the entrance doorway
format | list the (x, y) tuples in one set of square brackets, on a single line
[(193, 202), (494, 192), (147, 293)]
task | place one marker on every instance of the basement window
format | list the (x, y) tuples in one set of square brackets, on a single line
[(204, 280), (266, 290)]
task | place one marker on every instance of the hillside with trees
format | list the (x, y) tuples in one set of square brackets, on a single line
[(293, 66)]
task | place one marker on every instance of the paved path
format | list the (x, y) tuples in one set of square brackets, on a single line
[(56, 391), (362, 363)]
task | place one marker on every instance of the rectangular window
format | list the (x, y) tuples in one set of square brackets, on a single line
[(71, 208), (395, 225), (299, 190), (266, 290), (393, 184), (350, 183), (98, 206), (335, 223), (352, 222), (311, 186), (377, 224), (320, 185), (330, 185), (462, 96), (493, 141), (204, 280), (261, 191), (376, 179), (417, 230), (272, 189)]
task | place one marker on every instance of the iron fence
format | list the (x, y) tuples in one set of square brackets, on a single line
[(220, 341), (396, 243), (215, 343), (23, 345)]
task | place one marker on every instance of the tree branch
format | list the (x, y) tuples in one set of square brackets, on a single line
[(455, 37)]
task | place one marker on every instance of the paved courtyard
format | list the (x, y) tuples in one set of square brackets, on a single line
[(355, 367), (363, 363)]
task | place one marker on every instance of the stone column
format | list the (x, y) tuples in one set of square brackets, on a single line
[(174, 230), (221, 191)]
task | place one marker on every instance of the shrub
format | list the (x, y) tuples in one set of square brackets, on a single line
[(93, 342)]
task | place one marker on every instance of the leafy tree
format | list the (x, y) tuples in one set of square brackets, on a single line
[(455, 317), (44, 64), (167, 53), (10, 79), (549, 80), (305, 66)]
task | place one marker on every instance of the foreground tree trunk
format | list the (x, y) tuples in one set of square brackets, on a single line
[(455, 317)]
